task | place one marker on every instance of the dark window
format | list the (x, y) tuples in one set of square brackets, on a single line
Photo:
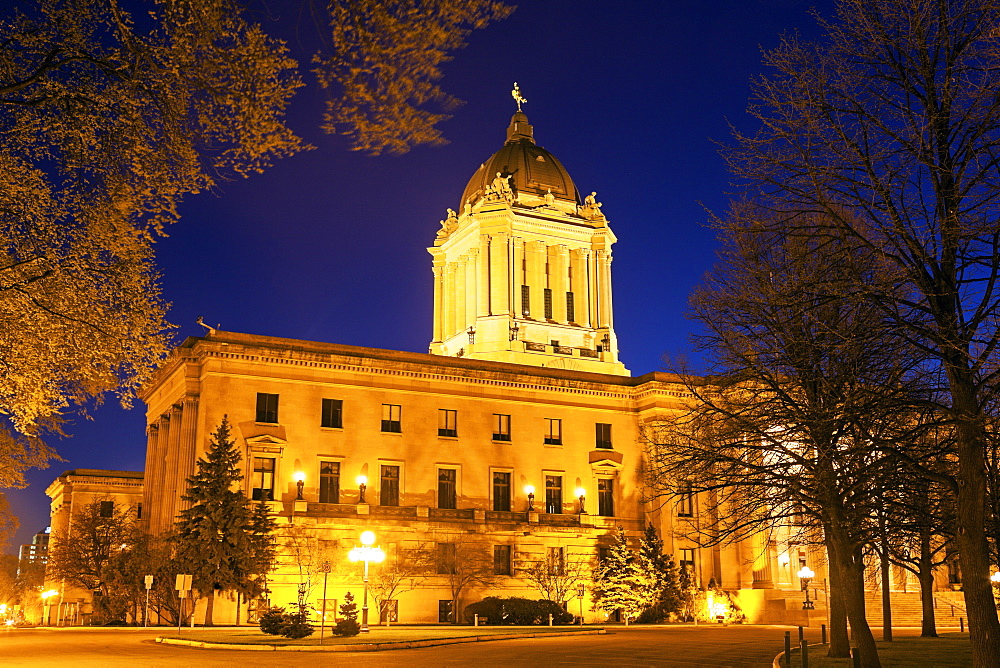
[(446, 488), (553, 494), (525, 300), (391, 421), (447, 423), (107, 508), (501, 427), (138, 511), (389, 611), (329, 482), (547, 294), (501, 560), (501, 490), (603, 436), (556, 561), (262, 483), (603, 553), (570, 307), (553, 431), (389, 491), (606, 497), (445, 558), (445, 611), (267, 407), (685, 504), (686, 561), (333, 414)]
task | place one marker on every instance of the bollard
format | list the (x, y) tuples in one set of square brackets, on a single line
[(475, 620), (801, 635), (805, 653), (961, 624), (550, 619), (788, 649), (855, 657), (822, 630)]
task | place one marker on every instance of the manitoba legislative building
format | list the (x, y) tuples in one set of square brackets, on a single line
[(515, 441)]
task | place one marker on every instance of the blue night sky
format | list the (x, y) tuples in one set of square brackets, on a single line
[(330, 245)]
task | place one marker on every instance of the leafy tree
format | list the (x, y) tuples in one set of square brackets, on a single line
[(113, 114), (222, 537), (619, 582), (96, 549), (557, 575), (888, 127)]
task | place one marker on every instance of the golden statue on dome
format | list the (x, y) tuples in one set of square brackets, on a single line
[(516, 94)]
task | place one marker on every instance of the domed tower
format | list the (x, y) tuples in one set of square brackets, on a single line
[(522, 271)]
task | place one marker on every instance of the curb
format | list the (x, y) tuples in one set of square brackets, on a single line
[(371, 647), (776, 663)]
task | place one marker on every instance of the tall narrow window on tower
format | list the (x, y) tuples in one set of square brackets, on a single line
[(570, 308), (547, 293), (525, 300)]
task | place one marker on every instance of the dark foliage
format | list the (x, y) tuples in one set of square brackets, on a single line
[(514, 611)]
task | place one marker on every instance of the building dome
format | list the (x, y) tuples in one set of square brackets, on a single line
[(530, 168)]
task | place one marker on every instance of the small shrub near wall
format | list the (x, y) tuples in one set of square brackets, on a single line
[(494, 610)]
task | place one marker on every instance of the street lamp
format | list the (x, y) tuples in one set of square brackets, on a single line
[(806, 575), (47, 601), (995, 579), (300, 483), (366, 553), (530, 491), (362, 481), (581, 494)]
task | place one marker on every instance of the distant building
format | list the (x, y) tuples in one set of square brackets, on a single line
[(69, 493), (37, 551)]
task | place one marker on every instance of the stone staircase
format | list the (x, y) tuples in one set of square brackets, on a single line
[(906, 609)]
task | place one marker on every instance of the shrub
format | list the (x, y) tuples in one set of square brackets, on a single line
[(348, 626), (517, 611), (296, 626), (272, 621)]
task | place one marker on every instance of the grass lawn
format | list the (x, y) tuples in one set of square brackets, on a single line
[(379, 634), (951, 649)]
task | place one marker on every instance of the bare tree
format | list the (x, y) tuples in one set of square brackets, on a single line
[(793, 430), (557, 574), (464, 562), (404, 570), (889, 128)]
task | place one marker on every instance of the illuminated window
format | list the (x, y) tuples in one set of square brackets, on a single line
[(329, 482), (391, 418), (553, 494), (262, 482)]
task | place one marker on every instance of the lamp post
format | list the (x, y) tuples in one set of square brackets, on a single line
[(366, 553), (362, 485), (581, 494), (47, 602), (806, 575), (530, 491), (300, 483)]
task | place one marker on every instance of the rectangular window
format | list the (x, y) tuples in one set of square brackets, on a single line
[(603, 436), (603, 553), (445, 611), (389, 612), (329, 482), (445, 558), (685, 504), (553, 494), (547, 294), (267, 408), (570, 307), (391, 418), (501, 427), (556, 561), (606, 497), (553, 431), (389, 490), (447, 497), (332, 414), (686, 561), (447, 423), (525, 300), (501, 491), (262, 482), (107, 508), (501, 560), (138, 511)]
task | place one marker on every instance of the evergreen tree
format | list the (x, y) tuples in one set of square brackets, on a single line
[(619, 582), (223, 540), (662, 590), (348, 625)]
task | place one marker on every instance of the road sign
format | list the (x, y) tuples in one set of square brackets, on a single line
[(149, 582), (183, 583)]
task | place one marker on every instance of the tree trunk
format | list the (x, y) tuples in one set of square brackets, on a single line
[(984, 627), (209, 607), (849, 563), (886, 584), (840, 642), (925, 575)]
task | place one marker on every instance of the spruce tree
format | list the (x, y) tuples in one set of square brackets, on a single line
[(224, 540), (619, 581), (661, 588)]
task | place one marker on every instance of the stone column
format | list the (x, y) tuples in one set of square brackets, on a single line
[(581, 259), (449, 301), (559, 280), (438, 268), (535, 253), (484, 275), (519, 274), (173, 486), (154, 463), (603, 288), (459, 304), (188, 444)]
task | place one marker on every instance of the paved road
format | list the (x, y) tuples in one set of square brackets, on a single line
[(622, 648)]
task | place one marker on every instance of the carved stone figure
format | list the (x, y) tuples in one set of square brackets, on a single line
[(550, 199), (591, 207)]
